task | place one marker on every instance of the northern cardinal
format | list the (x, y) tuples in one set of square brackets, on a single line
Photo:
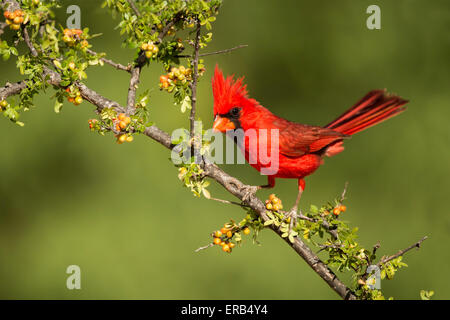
[(301, 147)]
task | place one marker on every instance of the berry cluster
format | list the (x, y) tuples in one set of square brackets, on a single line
[(150, 49), (337, 210), (71, 36), (121, 122), (224, 236), (14, 19), (341, 208), (3, 105), (274, 203), (74, 96), (121, 138), (169, 80)]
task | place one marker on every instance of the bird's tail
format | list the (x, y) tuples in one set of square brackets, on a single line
[(374, 108)]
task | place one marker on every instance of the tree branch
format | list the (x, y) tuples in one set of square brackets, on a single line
[(195, 79), (11, 89), (134, 82), (401, 252)]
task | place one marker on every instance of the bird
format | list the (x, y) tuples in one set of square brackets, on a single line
[(301, 147)]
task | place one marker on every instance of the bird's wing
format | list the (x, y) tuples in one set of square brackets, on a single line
[(299, 139)]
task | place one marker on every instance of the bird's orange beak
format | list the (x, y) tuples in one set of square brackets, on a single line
[(223, 124)]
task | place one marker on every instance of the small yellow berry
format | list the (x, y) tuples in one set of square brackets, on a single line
[(122, 138), (130, 139), (78, 100)]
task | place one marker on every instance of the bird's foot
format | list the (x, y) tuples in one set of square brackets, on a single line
[(248, 192)]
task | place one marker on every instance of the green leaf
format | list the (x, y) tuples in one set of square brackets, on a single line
[(268, 223), (58, 106), (186, 104), (206, 193)]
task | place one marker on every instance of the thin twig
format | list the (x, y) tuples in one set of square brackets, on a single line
[(327, 246), (215, 52), (27, 39), (134, 7), (401, 252), (325, 224), (344, 192), (110, 62), (204, 247), (223, 51), (169, 25), (229, 202), (376, 247)]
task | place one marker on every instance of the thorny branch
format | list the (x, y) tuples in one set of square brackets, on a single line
[(401, 252)]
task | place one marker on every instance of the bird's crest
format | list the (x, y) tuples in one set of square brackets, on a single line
[(228, 92)]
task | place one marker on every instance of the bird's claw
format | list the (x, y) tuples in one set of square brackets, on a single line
[(248, 192)]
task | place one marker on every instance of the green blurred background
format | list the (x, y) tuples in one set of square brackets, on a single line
[(69, 196)]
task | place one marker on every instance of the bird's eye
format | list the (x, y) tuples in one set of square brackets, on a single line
[(235, 112)]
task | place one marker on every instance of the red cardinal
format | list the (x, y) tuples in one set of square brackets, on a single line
[(301, 147)]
